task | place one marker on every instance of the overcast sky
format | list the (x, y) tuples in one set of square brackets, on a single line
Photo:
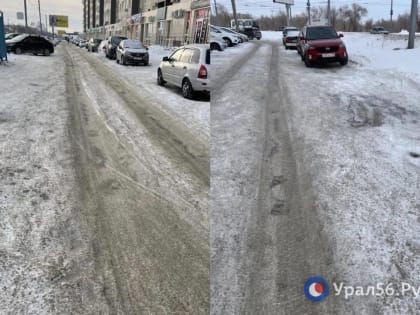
[(377, 9), (72, 8)]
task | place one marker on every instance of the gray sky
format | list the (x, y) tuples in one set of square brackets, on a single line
[(72, 8), (377, 9)]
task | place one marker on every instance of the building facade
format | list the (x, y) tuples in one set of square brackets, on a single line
[(162, 22)]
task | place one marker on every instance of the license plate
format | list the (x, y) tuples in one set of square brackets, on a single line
[(329, 55), (138, 58)]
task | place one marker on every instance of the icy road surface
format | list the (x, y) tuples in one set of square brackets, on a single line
[(314, 172), (103, 191)]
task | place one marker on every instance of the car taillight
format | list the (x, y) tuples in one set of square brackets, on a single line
[(202, 73)]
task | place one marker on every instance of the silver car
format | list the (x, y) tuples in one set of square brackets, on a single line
[(132, 52), (187, 68)]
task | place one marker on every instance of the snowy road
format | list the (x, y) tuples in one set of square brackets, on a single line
[(114, 217), (313, 173)]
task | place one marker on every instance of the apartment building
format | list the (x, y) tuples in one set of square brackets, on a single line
[(163, 22)]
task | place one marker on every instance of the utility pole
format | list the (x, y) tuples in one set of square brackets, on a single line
[(39, 9), (392, 11), (215, 11), (26, 17), (234, 15), (329, 12), (413, 24), (308, 4)]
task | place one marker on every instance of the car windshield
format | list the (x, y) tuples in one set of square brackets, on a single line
[(18, 38), (133, 45), (98, 41), (116, 40), (321, 33)]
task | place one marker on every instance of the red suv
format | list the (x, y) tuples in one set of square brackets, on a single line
[(321, 44)]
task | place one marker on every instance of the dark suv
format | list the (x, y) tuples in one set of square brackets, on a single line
[(321, 44), (111, 46), (252, 33)]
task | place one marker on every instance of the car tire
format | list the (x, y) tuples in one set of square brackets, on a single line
[(187, 90), (228, 41), (343, 62), (47, 52), (160, 80), (18, 51), (307, 61), (215, 46)]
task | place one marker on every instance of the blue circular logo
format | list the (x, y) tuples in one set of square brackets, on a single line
[(316, 289)]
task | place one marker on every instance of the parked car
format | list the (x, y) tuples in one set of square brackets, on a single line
[(93, 44), (321, 44), (132, 52), (11, 35), (378, 30), (230, 38), (187, 68), (288, 28), (252, 33), (111, 46), (291, 39), (82, 43), (217, 42), (30, 44), (242, 37)]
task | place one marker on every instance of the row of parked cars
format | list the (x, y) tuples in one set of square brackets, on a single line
[(316, 44), (222, 37), (186, 67)]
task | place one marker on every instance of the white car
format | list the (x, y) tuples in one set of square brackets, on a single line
[(187, 68), (240, 35), (217, 42), (133, 52), (230, 38)]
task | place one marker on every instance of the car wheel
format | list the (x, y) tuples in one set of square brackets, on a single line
[(307, 61), (343, 62), (47, 52), (215, 46), (160, 79), (229, 42), (18, 51), (187, 90)]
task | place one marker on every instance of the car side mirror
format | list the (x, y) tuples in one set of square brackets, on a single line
[(165, 59), (341, 35)]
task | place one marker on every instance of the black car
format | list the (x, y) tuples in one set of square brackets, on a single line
[(111, 46), (93, 44), (30, 44), (252, 33)]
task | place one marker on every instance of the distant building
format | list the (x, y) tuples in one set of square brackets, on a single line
[(163, 22)]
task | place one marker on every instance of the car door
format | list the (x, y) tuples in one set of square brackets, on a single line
[(169, 67), (27, 44), (183, 66)]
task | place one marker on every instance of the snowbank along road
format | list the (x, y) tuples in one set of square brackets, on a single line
[(105, 196), (312, 174)]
